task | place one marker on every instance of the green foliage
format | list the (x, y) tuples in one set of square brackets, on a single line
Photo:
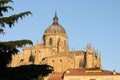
[(3, 2), (26, 72), (7, 49), (10, 20), (4, 9), (1, 31), (40, 77), (17, 43)]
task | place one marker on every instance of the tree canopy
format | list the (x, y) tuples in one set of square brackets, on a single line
[(10, 47), (10, 20), (26, 72)]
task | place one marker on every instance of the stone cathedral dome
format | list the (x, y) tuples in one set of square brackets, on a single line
[(55, 28)]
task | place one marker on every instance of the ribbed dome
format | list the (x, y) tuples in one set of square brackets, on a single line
[(55, 28)]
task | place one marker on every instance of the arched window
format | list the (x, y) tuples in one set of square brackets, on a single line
[(31, 58), (50, 41)]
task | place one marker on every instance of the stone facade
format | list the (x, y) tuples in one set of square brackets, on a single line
[(54, 51)]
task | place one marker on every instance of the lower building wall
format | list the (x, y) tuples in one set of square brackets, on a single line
[(109, 77)]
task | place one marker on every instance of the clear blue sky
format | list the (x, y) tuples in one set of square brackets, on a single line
[(86, 21)]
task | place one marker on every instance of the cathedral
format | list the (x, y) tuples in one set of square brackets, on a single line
[(54, 51)]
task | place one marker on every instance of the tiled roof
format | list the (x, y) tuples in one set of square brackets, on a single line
[(80, 72), (55, 76), (87, 72), (76, 53), (71, 53)]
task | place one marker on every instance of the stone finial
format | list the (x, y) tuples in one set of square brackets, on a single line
[(114, 72), (89, 49), (55, 19)]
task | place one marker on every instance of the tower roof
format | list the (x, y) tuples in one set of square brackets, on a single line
[(55, 28)]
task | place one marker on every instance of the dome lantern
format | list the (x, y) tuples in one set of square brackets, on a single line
[(55, 20), (55, 28)]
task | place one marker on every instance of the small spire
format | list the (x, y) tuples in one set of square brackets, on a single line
[(55, 13), (55, 19), (100, 61)]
